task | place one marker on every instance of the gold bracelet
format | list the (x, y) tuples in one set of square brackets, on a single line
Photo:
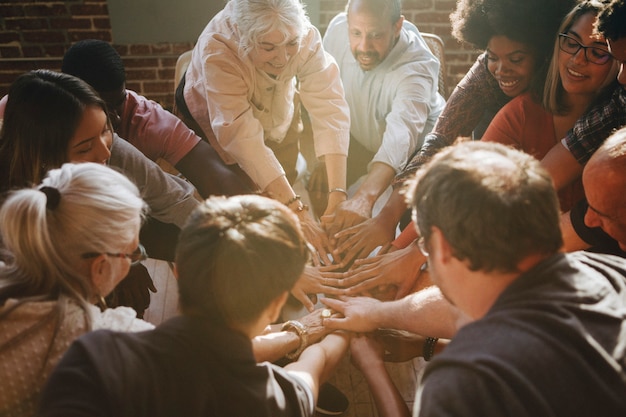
[(338, 190), (298, 328)]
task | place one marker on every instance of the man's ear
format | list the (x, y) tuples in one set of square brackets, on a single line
[(397, 27), (439, 246)]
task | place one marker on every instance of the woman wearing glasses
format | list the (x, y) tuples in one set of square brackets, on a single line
[(581, 70), (52, 118), (68, 242)]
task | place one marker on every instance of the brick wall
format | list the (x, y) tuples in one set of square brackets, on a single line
[(36, 33)]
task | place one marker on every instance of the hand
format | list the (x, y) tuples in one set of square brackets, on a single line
[(359, 241), (313, 282), (400, 269), (133, 291), (315, 236), (314, 326), (346, 214), (356, 312), (400, 346)]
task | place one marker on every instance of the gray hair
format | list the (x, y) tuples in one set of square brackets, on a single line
[(256, 18), (78, 208)]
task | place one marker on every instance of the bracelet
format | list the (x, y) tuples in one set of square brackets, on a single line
[(428, 350), (338, 190), (301, 208), (293, 200), (300, 330)]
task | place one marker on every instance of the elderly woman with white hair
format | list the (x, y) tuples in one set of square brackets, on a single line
[(252, 66)]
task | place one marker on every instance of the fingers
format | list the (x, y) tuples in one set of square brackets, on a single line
[(304, 299), (334, 303)]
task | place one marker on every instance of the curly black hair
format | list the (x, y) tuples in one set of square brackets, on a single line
[(532, 22), (611, 20)]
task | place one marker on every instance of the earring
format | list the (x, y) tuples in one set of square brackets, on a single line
[(102, 303)]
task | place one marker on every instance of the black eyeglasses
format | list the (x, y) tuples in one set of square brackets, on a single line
[(137, 256), (593, 54)]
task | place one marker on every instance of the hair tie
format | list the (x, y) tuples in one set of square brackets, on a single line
[(53, 197)]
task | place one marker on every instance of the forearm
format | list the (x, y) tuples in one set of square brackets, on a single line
[(425, 313), (387, 398), (376, 182), (392, 211), (320, 359), (336, 166), (562, 166), (273, 346)]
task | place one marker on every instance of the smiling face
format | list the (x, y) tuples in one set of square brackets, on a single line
[(371, 34), (272, 52), (92, 139), (578, 75), (511, 63)]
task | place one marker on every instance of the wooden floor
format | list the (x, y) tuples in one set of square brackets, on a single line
[(347, 378)]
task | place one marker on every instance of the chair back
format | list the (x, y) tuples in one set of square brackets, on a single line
[(181, 66), (435, 43)]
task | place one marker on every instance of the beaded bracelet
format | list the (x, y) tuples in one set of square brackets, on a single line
[(293, 200), (300, 330), (428, 350)]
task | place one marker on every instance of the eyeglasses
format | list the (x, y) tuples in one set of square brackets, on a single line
[(571, 46), (137, 256), (421, 244)]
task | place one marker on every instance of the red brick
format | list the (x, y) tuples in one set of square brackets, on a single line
[(10, 52), (70, 23), (143, 62), (161, 48), (159, 87), (44, 36), (11, 10), (26, 24), (76, 35), (166, 74), (7, 37), (102, 23), (32, 51), (47, 10), (89, 10), (54, 50), (140, 74), (140, 49)]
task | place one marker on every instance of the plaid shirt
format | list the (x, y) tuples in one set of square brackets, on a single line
[(596, 126)]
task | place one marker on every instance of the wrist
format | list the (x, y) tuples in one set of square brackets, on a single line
[(428, 349), (301, 330), (296, 205)]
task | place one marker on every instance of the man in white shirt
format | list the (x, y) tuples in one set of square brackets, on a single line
[(390, 79)]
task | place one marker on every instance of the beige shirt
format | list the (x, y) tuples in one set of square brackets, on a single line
[(36, 345), (240, 108)]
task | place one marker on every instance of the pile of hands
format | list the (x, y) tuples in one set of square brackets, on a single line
[(341, 265)]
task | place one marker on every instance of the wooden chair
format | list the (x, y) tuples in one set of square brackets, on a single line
[(181, 66), (435, 43)]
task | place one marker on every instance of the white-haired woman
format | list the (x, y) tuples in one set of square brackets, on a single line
[(67, 244), (251, 67)]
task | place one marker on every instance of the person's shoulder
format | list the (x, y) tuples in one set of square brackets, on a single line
[(340, 19)]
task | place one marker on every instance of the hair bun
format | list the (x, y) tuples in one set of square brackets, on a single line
[(53, 197)]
